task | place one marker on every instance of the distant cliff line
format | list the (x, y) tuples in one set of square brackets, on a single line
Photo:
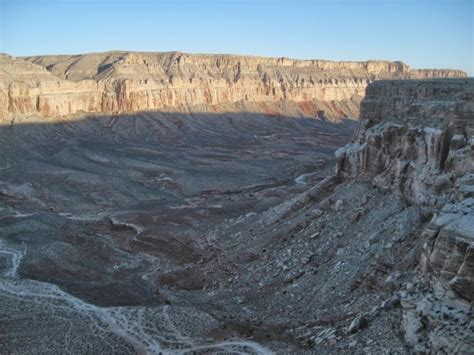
[(119, 82)]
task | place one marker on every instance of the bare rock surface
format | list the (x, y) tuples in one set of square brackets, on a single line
[(118, 82), (228, 230), (108, 226), (416, 138)]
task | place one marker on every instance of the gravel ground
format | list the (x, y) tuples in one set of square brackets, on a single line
[(171, 233)]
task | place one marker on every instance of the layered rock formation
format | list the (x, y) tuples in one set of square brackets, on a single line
[(116, 82), (417, 138), (201, 230)]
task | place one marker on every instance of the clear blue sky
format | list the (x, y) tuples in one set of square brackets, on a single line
[(422, 33)]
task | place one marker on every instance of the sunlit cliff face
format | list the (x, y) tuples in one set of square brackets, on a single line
[(117, 82)]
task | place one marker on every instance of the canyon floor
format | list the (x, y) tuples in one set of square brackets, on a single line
[(139, 233), (240, 232)]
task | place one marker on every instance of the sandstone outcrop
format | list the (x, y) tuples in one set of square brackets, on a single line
[(117, 82), (417, 138)]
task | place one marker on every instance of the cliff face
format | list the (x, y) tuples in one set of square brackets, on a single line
[(414, 136), (116, 82), (417, 138)]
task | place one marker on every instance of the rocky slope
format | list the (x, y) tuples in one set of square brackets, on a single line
[(117, 82), (106, 226), (416, 138), (229, 230)]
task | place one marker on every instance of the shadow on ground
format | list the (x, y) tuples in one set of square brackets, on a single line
[(123, 210)]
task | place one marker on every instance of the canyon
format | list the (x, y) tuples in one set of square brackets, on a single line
[(169, 203), (126, 82)]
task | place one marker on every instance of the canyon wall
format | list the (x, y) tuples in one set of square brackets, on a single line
[(117, 82), (416, 138)]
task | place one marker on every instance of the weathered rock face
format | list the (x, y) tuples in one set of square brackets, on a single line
[(116, 82), (428, 103), (448, 257), (439, 319), (417, 138)]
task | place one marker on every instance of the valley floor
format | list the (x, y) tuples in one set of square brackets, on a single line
[(167, 233), (109, 225)]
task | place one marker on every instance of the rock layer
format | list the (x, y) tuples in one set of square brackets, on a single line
[(116, 82), (417, 138)]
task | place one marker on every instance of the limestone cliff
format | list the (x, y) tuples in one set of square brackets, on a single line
[(417, 138), (116, 82)]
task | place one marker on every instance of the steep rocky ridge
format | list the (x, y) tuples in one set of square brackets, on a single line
[(416, 138), (117, 82)]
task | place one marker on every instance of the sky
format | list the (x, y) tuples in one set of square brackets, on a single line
[(421, 33)]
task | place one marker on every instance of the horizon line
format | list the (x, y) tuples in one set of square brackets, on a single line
[(398, 61)]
